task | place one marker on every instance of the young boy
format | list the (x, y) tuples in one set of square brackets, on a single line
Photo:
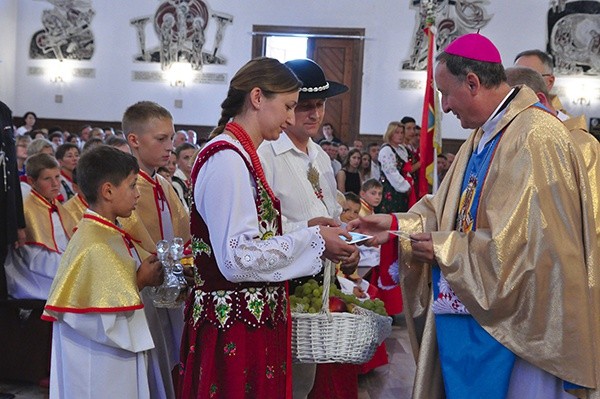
[(350, 208), (159, 215), (77, 205), (371, 193), (67, 156), (181, 178), (100, 334), (31, 268), (352, 284)]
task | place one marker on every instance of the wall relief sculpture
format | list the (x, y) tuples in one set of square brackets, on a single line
[(180, 27), (66, 32), (574, 36), (453, 18)]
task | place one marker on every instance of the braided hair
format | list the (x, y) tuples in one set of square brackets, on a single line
[(268, 74)]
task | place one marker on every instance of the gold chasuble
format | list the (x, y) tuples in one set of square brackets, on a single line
[(557, 105), (145, 223), (97, 272), (590, 149), (529, 272), (38, 218), (76, 206)]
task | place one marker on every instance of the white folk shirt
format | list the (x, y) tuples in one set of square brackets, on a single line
[(224, 195), (286, 170), (389, 167)]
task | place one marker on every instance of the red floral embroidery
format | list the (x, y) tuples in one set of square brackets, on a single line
[(270, 372), (229, 349)]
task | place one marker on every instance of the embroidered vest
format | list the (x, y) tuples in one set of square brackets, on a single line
[(216, 299)]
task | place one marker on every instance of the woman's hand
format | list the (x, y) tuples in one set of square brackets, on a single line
[(336, 249)]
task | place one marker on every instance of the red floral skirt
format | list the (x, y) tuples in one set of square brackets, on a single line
[(239, 362)]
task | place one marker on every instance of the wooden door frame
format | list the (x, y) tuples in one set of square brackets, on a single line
[(259, 33)]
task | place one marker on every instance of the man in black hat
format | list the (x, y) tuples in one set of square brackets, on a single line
[(300, 174)]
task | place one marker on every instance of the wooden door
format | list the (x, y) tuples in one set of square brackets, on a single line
[(339, 51), (337, 57)]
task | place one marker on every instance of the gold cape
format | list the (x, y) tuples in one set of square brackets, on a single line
[(144, 222), (590, 149), (76, 206), (365, 209), (556, 104), (528, 274), (38, 221), (97, 272)]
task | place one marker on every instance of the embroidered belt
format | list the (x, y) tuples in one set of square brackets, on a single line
[(254, 306)]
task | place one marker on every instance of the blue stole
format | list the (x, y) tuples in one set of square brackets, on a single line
[(474, 364)]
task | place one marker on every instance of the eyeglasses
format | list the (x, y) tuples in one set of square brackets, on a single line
[(547, 74)]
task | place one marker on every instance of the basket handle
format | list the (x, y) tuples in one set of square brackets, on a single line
[(326, 284)]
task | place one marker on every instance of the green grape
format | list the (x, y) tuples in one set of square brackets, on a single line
[(312, 281), (307, 289), (298, 291), (316, 293), (317, 303), (312, 310)]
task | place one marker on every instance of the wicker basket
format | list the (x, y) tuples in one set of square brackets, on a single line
[(327, 337)]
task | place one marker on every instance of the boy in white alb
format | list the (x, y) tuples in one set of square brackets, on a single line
[(31, 268), (159, 216), (100, 335)]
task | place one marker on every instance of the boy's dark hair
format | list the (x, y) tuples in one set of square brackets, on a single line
[(137, 116), (103, 164), (407, 119), (184, 146), (371, 183), (352, 197), (35, 164), (63, 148)]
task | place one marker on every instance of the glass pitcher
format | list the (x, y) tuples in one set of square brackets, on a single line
[(173, 291)]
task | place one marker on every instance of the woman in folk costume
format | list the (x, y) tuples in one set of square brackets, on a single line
[(238, 328), (398, 184)]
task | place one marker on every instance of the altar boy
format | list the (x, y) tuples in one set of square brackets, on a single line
[(100, 335), (31, 268), (159, 216)]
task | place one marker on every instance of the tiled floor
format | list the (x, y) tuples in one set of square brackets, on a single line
[(392, 381)]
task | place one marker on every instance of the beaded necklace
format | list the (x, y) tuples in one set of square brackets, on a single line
[(244, 138)]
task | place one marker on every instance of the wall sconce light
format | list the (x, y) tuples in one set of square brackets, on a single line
[(57, 79), (59, 73), (582, 101), (179, 74)]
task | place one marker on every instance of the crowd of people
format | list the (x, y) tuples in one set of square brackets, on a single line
[(499, 304)]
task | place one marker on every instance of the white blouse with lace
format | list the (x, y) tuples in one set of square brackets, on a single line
[(389, 167), (224, 195)]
